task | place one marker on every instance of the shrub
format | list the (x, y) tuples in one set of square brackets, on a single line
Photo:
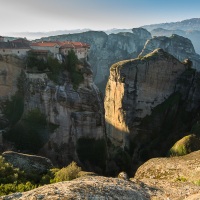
[(9, 174), (67, 173), (9, 188), (76, 75), (35, 117), (29, 132), (181, 179), (197, 182), (33, 62), (186, 145), (12, 179), (13, 108), (55, 69)]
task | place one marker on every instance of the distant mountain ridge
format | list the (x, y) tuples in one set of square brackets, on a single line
[(189, 28), (193, 35), (188, 24)]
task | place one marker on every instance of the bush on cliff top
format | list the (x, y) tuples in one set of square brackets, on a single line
[(12, 179), (186, 145), (67, 173), (76, 75)]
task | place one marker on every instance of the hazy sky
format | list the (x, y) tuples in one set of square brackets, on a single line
[(50, 15)]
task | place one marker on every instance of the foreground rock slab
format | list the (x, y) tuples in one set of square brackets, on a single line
[(182, 168), (174, 178), (97, 188), (28, 163)]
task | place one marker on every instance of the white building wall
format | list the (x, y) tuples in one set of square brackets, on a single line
[(18, 52), (80, 52)]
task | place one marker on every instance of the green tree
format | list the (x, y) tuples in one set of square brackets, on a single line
[(67, 173), (72, 61), (76, 75)]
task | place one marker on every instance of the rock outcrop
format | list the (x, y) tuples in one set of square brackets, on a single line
[(28, 163), (174, 177), (74, 114), (178, 46), (65, 114), (150, 103), (108, 49), (172, 168), (134, 88), (86, 188)]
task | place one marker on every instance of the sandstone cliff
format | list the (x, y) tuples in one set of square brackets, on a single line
[(150, 103), (134, 88), (108, 49), (178, 46)]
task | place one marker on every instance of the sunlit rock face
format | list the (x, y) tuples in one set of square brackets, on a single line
[(134, 88), (178, 46)]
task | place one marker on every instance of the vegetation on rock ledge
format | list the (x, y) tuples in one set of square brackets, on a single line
[(14, 180)]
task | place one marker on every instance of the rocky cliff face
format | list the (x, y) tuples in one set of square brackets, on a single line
[(134, 88), (10, 68), (108, 49), (56, 120), (76, 114), (148, 102), (176, 45)]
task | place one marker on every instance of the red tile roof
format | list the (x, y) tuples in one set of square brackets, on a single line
[(69, 44), (63, 44), (44, 44)]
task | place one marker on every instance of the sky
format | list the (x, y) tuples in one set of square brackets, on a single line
[(51, 15)]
